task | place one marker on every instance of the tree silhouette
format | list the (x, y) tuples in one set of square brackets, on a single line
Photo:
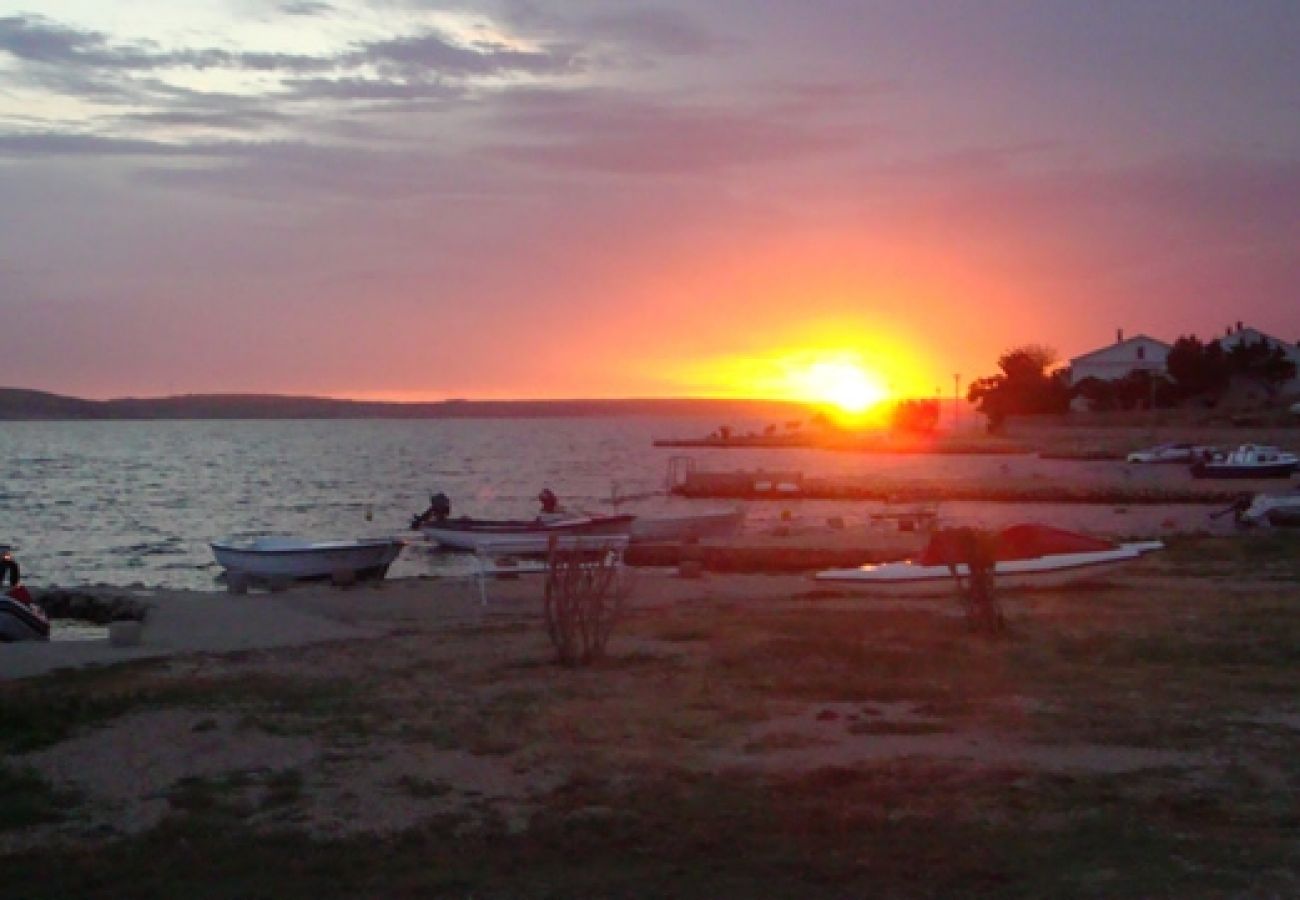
[(1024, 386)]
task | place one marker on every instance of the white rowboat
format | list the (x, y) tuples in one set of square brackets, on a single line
[(302, 558)]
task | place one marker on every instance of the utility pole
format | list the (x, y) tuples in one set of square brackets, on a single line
[(956, 395)]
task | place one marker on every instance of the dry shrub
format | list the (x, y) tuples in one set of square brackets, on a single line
[(585, 590)]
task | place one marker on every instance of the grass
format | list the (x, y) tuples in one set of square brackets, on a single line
[(27, 800), (656, 799)]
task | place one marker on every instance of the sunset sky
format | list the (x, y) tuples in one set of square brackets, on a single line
[(552, 198)]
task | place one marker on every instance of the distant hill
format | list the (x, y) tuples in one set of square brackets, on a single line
[(23, 404)]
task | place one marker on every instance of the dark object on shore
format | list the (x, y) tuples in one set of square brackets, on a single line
[(1237, 508), (1284, 518)]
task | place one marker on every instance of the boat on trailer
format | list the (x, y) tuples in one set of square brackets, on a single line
[(21, 618), (302, 558), (1027, 556)]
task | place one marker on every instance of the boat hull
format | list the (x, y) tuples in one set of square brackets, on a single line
[(1273, 470), (324, 559), (911, 580), (471, 534), (20, 622)]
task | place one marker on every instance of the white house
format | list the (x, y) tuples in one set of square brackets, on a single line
[(1120, 358)]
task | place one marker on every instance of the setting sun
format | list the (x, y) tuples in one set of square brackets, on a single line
[(840, 383)]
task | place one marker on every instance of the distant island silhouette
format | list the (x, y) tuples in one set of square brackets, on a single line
[(22, 404)]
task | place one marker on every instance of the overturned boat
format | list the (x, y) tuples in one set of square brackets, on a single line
[(299, 558), (1027, 556), (21, 618)]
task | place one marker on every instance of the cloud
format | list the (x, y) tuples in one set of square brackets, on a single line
[(431, 52), (647, 32), (663, 31), (52, 144), (306, 8), (615, 131)]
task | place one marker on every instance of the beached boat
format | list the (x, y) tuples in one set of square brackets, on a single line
[(1163, 454), (302, 558), (1263, 507), (21, 619), (686, 526), (1248, 461), (470, 534), (1028, 556)]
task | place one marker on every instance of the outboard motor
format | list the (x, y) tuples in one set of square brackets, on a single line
[(439, 511), (550, 502)]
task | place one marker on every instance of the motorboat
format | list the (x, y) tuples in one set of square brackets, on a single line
[(1170, 453), (1027, 556), (302, 558), (21, 618), (472, 534), (686, 526), (1247, 461), (467, 533)]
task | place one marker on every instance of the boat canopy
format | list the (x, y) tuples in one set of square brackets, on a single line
[(1027, 541)]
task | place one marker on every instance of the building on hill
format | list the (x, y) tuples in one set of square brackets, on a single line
[(1141, 352), (1120, 358)]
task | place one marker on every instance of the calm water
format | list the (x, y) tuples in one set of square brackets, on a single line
[(137, 502)]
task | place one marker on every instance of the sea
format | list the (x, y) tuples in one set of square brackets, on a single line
[(136, 503)]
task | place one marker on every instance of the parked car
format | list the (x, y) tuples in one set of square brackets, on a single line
[(1171, 453)]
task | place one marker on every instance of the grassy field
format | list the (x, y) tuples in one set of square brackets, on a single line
[(1129, 739)]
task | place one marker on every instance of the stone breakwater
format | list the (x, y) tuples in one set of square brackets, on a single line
[(98, 607)]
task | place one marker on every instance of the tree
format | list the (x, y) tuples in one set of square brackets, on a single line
[(1262, 362), (1025, 386), (1198, 370), (915, 416)]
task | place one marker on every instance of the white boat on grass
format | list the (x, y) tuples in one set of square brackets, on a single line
[(1273, 508), (303, 558), (1029, 556), (1164, 454)]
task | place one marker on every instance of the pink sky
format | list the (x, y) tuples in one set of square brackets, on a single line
[(556, 199)]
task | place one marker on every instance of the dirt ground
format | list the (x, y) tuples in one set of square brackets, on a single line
[(754, 736)]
